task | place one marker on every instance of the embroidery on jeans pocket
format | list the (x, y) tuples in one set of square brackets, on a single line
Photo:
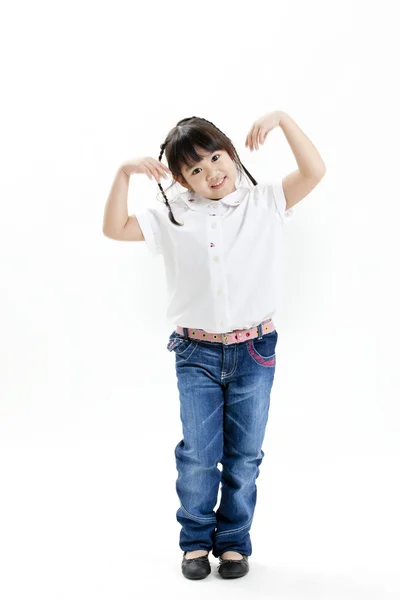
[(266, 361), (174, 340), (179, 345), (172, 344)]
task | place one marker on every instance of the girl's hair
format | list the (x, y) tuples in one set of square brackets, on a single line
[(179, 148)]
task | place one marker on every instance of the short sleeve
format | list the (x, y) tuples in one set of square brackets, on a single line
[(150, 226), (275, 197), (280, 200)]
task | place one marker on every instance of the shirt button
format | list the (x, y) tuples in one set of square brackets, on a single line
[(220, 291), (216, 258), (214, 225)]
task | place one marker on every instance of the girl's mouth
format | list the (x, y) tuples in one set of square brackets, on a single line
[(216, 187)]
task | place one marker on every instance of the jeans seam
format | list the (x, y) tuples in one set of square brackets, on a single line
[(228, 532), (198, 519)]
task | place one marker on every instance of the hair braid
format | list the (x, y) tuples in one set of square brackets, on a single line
[(171, 216)]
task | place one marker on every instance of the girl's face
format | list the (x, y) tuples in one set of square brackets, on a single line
[(213, 167)]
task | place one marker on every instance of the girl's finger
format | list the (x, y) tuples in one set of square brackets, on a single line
[(160, 173), (153, 168), (256, 133), (166, 171), (252, 139), (156, 163), (156, 175), (248, 139)]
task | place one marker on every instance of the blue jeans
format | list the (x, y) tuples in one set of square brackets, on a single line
[(224, 393)]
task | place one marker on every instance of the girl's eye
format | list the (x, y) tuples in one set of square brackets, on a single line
[(193, 173)]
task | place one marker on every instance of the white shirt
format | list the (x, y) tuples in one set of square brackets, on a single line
[(224, 267)]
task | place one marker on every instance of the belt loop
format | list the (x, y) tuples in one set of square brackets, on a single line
[(259, 329), (185, 333)]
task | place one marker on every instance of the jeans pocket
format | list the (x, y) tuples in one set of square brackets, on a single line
[(182, 347), (263, 351)]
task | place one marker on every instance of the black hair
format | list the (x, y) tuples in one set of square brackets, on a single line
[(179, 147)]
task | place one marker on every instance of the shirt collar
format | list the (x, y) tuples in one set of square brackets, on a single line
[(197, 202)]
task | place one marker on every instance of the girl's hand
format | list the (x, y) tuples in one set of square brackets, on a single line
[(261, 128), (147, 165)]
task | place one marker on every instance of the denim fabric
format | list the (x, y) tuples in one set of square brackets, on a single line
[(224, 394)]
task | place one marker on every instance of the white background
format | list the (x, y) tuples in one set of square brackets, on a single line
[(89, 405)]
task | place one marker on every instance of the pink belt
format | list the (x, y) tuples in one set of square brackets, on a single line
[(236, 336)]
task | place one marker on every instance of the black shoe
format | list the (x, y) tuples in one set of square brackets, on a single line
[(196, 568), (229, 568)]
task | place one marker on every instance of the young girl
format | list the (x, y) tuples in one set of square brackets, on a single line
[(222, 246)]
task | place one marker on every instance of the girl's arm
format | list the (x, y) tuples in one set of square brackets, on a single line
[(311, 167), (300, 183), (116, 210), (307, 156)]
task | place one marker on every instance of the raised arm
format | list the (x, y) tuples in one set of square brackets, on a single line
[(116, 210)]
